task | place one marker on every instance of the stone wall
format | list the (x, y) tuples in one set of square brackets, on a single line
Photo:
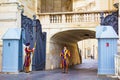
[(53, 54), (92, 5), (9, 17), (3, 1), (75, 55), (6, 1), (53, 57), (29, 7), (55, 6)]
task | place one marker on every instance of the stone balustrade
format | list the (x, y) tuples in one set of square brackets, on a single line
[(71, 17), (117, 65)]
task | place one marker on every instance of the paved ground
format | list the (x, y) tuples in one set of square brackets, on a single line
[(85, 71)]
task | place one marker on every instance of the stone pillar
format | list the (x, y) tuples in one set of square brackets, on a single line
[(63, 18), (48, 56), (10, 16)]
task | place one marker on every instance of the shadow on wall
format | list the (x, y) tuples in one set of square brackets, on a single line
[(75, 55), (54, 59)]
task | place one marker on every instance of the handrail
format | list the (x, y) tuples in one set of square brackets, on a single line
[(84, 12), (72, 17)]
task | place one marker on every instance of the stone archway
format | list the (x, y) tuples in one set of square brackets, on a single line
[(69, 38)]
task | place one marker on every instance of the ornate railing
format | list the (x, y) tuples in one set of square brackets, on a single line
[(117, 65), (72, 17)]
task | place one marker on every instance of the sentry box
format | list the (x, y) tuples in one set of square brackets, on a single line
[(107, 48), (12, 51)]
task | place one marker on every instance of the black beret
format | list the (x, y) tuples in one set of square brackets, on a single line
[(27, 44)]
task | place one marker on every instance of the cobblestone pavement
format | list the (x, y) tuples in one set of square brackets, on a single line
[(85, 71)]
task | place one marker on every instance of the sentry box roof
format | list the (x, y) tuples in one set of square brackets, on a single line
[(105, 32), (12, 33)]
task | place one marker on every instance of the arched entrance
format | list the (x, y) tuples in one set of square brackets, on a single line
[(88, 48), (69, 38)]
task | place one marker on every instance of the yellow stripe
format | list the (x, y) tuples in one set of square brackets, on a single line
[(34, 47)]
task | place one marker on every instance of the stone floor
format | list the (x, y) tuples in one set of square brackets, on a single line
[(85, 71)]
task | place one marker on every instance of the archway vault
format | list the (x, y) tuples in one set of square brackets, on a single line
[(69, 38), (73, 36)]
